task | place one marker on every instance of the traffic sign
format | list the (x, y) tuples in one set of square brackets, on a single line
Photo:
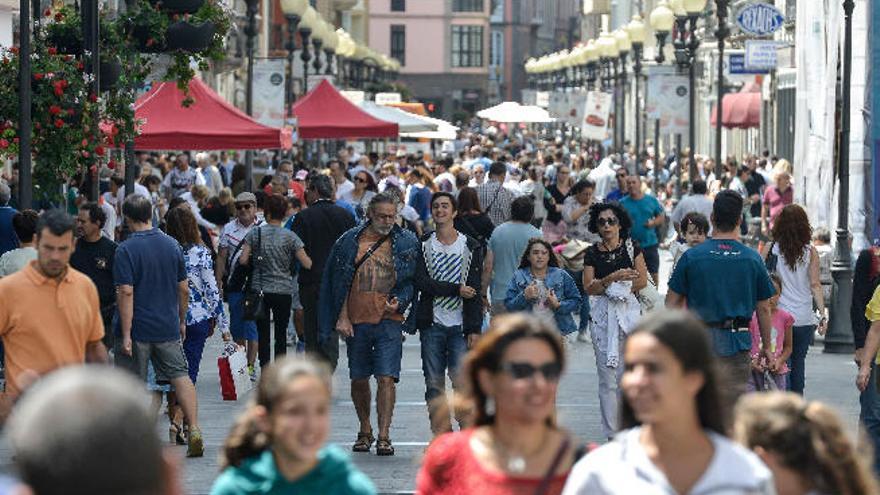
[(761, 54), (760, 19), (737, 65)]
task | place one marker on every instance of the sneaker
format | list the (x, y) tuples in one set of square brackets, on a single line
[(252, 372), (582, 336), (195, 446)]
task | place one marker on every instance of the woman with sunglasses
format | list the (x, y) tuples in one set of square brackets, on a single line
[(673, 422), (614, 272), (510, 379), (364, 190), (542, 288)]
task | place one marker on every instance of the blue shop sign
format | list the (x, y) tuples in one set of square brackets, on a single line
[(760, 19)]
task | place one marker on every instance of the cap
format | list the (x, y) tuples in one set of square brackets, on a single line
[(246, 197), (302, 175)]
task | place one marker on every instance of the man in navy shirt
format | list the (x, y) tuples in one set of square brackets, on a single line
[(150, 276), (8, 239), (724, 282)]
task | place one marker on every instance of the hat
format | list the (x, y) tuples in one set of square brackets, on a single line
[(302, 175), (246, 197)]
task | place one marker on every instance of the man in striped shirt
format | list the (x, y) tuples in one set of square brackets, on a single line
[(449, 315)]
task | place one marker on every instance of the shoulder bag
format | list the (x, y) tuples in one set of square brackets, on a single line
[(772, 260), (649, 297), (254, 305)]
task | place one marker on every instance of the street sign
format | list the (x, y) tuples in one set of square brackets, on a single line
[(387, 98), (737, 65), (759, 19), (760, 54)]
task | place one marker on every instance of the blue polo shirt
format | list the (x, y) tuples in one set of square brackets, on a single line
[(153, 264), (640, 211), (723, 279)]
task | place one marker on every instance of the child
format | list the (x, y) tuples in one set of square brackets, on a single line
[(780, 345), (695, 227), (278, 444)]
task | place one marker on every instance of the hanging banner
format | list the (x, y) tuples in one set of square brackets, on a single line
[(668, 100), (594, 124), (269, 91), (568, 107)]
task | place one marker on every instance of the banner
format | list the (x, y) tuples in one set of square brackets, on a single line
[(595, 122), (269, 91), (568, 107), (668, 100)]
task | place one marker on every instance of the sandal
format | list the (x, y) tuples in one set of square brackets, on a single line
[(176, 435), (384, 447), (363, 443)]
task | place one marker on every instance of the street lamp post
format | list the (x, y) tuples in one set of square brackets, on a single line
[(839, 337), (624, 45), (25, 176), (251, 33), (687, 14), (309, 18), (721, 33), (636, 30)]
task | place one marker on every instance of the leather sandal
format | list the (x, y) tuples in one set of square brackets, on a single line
[(363, 443), (384, 447)]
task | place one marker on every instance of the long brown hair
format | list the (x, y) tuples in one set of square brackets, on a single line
[(792, 232), (247, 439), (808, 438), (180, 223), (489, 352), (525, 262)]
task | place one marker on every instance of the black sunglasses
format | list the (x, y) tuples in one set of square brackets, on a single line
[(606, 221), (522, 371), (360, 179), (245, 206)]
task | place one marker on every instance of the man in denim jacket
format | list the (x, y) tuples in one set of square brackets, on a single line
[(366, 289)]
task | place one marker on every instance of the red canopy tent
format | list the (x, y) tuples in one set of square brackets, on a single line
[(325, 114), (740, 110), (208, 124)]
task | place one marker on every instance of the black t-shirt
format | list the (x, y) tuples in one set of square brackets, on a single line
[(319, 226), (754, 186), (95, 260), (559, 198), (605, 263), (478, 226)]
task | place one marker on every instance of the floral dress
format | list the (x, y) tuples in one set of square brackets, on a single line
[(204, 297)]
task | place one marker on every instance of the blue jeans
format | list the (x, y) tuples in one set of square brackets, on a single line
[(869, 415), (801, 338), (442, 350), (375, 350), (194, 345)]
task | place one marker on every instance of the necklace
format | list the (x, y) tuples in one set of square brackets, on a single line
[(611, 254), (517, 462)]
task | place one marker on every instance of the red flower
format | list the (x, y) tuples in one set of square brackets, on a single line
[(37, 126), (85, 153), (14, 50), (80, 65), (93, 169), (38, 76), (15, 140), (99, 150), (47, 12), (52, 50), (59, 17), (70, 112), (111, 165), (4, 143), (68, 58), (55, 109), (59, 123), (63, 83), (58, 91), (85, 143), (93, 97), (150, 42)]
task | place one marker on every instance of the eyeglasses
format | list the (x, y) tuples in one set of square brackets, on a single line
[(607, 221), (245, 206), (360, 179), (522, 371), (621, 176), (562, 172), (385, 218)]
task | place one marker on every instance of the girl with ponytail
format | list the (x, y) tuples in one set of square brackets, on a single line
[(277, 445), (804, 444)]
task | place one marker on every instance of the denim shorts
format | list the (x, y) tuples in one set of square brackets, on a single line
[(240, 328), (375, 350)]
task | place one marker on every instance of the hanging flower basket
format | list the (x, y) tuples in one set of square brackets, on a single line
[(188, 37), (178, 6)]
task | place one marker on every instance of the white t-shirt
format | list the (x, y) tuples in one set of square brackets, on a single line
[(447, 266), (344, 189)]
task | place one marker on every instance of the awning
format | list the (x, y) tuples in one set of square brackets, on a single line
[(325, 114), (512, 112), (210, 123), (406, 122), (739, 110), (445, 131)]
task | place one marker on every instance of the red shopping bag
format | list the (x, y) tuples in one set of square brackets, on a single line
[(234, 379)]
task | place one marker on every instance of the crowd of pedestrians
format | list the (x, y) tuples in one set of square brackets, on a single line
[(500, 257)]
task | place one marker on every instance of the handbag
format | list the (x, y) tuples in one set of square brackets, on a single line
[(772, 260), (649, 297), (254, 305), (232, 366)]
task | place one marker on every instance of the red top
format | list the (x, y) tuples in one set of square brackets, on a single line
[(450, 468), (776, 201)]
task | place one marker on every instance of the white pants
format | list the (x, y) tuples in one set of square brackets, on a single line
[(609, 392)]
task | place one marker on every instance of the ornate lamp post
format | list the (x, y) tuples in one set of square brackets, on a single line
[(624, 45), (592, 63), (250, 32), (293, 11), (661, 21), (309, 19), (637, 34), (721, 34), (687, 13), (839, 338), (608, 57), (318, 34), (345, 50), (331, 43)]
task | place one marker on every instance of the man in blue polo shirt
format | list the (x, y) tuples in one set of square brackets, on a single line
[(646, 214), (724, 282)]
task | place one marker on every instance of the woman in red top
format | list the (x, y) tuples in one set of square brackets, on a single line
[(515, 448)]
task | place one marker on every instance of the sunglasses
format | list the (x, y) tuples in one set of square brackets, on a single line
[(621, 176), (246, 206), (523, 371), (606, 221), (360, 179)]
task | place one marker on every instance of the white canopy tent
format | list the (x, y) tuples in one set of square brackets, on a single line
[(513, 112), (445, 131), (407, 122)]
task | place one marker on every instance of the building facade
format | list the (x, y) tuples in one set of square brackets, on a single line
[(443, 47)]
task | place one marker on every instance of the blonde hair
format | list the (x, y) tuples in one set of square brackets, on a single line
[(247, 439), (806, 437), (200, 192), (782, 165)]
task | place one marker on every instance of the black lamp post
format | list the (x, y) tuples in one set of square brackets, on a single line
[(329, 54), (636, 29), (292, 23), (305, 55), (25, 177), (317, 44), (720, 33), (686, 45), (624, 45), (839, 337), (250, 32)]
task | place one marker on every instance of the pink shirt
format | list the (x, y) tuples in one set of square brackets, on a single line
[(782, 323), (776, 201)]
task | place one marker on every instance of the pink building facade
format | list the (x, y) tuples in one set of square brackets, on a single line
[(443, 46)]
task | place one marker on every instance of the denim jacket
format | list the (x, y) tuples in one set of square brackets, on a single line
[(339, 274), (560, 282)]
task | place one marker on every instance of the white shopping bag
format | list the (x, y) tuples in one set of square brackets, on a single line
[(234, 379)]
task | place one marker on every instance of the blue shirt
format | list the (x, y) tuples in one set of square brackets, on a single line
[(615, 195), (345, 205), (153, 264), (640, 211), (722, 279), (8, 239), (507, 244)]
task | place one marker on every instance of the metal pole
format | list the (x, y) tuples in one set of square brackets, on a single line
[(25, 177), (839, 338), (616, 100), (251, 33), (637, 71), (623, 104), (90, 30), (656, 155), (692, 129), (292, 23), (128, 153), (678, 155), (305, 56), (721, 34)]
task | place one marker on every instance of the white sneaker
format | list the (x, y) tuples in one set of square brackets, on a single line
[(583, 336)]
